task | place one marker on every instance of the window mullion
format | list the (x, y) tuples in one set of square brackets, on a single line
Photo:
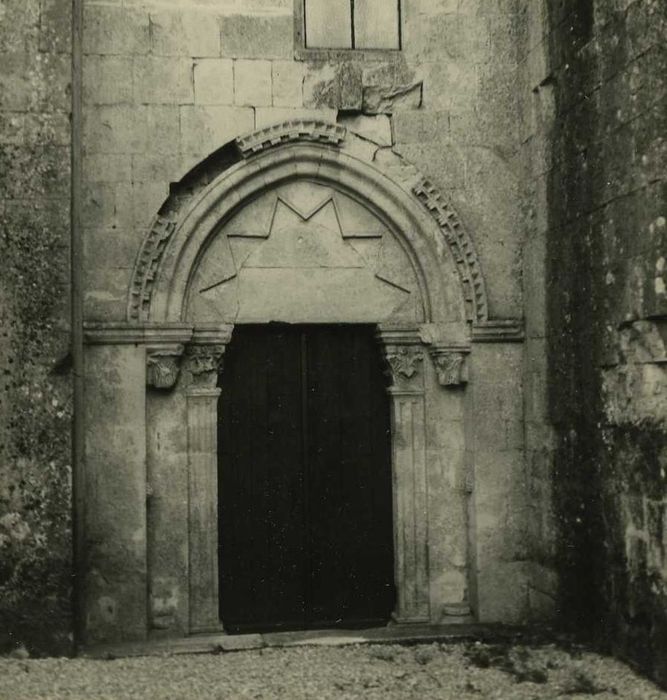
[(352, 23)]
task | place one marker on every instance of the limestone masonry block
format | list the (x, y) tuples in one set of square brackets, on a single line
[(125, 129), (107, 79), (193, 33), (55, 25), (161, 80), (287, 83), (151, 167), (336, 85), (19, 26), (112, 29), (420, 127), (252, 83), (265, 116), (48, 128), (257, 36), (376, 128), (207, 128), (107, 167), (146, 200), (214, 81)]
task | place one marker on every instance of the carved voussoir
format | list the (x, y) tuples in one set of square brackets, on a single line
[(162, 367), (293, 130), (461, 246), (451, 366)]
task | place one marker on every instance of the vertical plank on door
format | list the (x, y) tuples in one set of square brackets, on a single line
[(349, 478), (261, 509)]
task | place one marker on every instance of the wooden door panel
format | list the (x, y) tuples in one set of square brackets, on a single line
[(350, 530), (262, 546), (305, 479)]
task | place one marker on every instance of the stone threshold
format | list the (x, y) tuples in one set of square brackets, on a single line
[(391, 634)]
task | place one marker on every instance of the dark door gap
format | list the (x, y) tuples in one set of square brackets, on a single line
[(326, 467)]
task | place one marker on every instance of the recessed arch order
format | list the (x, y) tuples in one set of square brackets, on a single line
[(441, 252)]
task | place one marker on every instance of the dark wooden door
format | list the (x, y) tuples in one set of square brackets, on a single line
[(305, 502)]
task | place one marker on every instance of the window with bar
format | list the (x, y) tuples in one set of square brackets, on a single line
[(352, 24)]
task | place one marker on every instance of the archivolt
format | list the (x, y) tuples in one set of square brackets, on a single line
[(408, 203)]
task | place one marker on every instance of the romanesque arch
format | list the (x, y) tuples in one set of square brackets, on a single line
[(312, 202)]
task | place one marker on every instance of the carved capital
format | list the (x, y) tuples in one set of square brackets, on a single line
[(403, 361), (403, 352), (451, 366), (162, 367), (205, 359)]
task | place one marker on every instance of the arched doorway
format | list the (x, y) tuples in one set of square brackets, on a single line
[(302, 229), (305, 494)]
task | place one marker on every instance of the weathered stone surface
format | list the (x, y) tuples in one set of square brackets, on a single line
[(287, 79), (333, 85), (214, 82), (194, 33), (206, 128), (105, 80), (567, 216), (159, 80), (376, 129), (252, 83), (113, 29), (116, 575), (379, 99), (257, 36), (131, 129), (266, 116)]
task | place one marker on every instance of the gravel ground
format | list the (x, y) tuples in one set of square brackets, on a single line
[(457, 671)]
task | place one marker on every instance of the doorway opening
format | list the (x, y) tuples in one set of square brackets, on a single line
[(305, 481)]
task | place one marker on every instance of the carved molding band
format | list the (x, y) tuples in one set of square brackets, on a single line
[(499, 331), (462, 248), (167, 229), (294, 130), (146, 267)]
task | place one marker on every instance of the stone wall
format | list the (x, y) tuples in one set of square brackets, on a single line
[(35, 399), (167, 84), (595, 108)]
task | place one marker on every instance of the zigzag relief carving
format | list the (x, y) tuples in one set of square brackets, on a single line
[(295, 130), (462, 249), (299, 253)]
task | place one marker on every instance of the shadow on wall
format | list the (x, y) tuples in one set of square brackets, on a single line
[(607, 326)]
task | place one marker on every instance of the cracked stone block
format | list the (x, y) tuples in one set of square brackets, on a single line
[(387, 100), (375, 128)]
